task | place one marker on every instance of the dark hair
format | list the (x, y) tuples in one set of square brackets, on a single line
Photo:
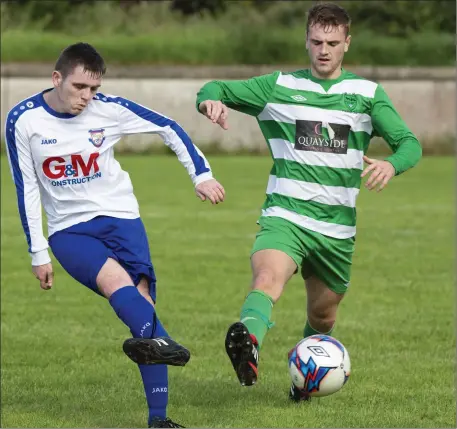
[(328, 15), (80, 54)]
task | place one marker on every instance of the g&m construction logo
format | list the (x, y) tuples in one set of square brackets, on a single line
[(321, 137), (74, 171)]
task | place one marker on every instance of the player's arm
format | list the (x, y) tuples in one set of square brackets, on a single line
[(405, 146), (137, 119), (247, 96), (29, 202)]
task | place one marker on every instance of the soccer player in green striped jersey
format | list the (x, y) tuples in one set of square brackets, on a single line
[(317, 123)]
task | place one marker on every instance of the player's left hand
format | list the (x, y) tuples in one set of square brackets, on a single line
[(381, 173), (212, 190)]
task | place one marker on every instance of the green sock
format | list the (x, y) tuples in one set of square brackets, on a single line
[(256, 314), (309, 330)]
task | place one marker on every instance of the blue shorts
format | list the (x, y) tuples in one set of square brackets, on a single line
[(83, 249)]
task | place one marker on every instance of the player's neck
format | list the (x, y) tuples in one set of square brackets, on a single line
[(52, 100), (333, 76)]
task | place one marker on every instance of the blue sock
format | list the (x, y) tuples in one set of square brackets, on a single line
[(155, 381), (134, 310), (140, 316)]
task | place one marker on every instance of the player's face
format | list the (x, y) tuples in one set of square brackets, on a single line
[(326, 47), (76, 90)]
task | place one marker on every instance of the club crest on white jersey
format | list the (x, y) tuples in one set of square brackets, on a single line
[(97, 136)]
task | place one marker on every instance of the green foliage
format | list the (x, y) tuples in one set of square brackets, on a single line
[(403, 18), (219, 46), (191, 7), (389, 18), (385, 33)]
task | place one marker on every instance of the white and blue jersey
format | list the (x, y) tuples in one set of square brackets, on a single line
[(66, 162)]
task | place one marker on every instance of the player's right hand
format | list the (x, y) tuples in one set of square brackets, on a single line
[(44, 274), (216, 111), (212, 190)]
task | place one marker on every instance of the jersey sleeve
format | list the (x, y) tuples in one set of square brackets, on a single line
[(247, 96), (388, 124), (137, 119), (28, 193)]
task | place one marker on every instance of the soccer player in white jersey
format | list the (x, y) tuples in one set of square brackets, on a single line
[(60, 145), (317, 123)]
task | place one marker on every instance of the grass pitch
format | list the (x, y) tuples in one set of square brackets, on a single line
[(62, 362)]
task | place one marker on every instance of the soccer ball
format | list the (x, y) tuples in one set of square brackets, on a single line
[(319, 365)]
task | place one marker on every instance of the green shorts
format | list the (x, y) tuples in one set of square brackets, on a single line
[(329, 258)]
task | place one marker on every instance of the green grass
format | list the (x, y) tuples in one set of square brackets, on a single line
[(62, 363)]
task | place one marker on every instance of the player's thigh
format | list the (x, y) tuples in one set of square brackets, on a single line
[(112, 277), (277, 265), (331, 262), (129, 242), (82, 256), (275, 256)]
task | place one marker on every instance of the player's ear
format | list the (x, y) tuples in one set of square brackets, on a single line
[(57, 78), (347, 42)]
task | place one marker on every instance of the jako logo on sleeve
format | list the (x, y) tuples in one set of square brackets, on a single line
[(49, 141), (75, 172)]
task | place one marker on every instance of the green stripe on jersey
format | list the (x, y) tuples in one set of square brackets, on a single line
[(348, 178), (340, 215)]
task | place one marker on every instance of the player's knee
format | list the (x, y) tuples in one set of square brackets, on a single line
[(322, 321), (267, 282), (143, 288)]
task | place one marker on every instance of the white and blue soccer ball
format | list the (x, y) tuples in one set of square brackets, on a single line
[(319, 365)]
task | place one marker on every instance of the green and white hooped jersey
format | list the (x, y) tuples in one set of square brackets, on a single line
[(317, 132)]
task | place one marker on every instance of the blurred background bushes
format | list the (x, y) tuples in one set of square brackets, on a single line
[(222, 32)]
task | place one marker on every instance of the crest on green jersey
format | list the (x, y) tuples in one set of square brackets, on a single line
[(350, 101)]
